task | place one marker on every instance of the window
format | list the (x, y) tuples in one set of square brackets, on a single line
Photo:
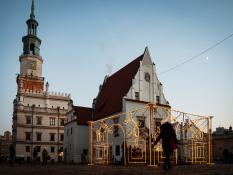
[(28, 119), (141, 123), (27, 148), (158, 99), (28, 135), (116, 131), (62, 137), (62, 122), (147, 77), (116, 127), (52, 121), (52, 149), (38, 136), (38, 148), (39, 120), (137, 95), (52, 137), (71, 131), (117, 150)]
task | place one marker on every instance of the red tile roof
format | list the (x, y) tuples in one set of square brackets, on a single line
[(109, 100), (83, 114)]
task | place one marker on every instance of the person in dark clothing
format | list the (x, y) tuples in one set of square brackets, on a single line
[(169, 142), (12, 154), (35, 154), (45, 156)]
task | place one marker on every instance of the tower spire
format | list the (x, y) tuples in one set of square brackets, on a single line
[(31, 42), (32, 15)]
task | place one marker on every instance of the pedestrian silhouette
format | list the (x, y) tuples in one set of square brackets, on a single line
[(169, 142), (45, 156), (35, 154)]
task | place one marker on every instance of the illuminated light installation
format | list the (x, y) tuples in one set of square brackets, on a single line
[(132, 133)]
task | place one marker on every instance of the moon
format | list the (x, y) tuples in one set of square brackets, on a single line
[(207, 58)]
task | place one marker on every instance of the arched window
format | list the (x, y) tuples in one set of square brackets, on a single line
[(32, 49)]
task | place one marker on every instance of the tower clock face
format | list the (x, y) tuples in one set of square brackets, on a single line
[(31, 65)]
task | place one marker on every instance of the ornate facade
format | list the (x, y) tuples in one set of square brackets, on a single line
[(38, 115)]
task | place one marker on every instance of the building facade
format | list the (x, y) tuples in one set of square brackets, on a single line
[(38, 115), (76, 134), (132, 87), (5, 141), (223, 144)]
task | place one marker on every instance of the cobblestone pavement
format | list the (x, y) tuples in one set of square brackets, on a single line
[(74, 169)]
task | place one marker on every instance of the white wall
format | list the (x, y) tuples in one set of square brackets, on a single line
[(75, 142)]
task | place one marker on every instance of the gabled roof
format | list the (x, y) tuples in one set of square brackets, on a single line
[(109, 100), (83, 114)]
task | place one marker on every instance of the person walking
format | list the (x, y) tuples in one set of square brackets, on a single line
[(45, 156), (35, 154), (169, 142)]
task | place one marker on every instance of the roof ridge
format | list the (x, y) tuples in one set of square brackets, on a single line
[(139, 58)]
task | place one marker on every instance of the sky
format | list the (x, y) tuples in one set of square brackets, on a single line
[(84, 40)]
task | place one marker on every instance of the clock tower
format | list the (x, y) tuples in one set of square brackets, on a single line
[(30, 77)]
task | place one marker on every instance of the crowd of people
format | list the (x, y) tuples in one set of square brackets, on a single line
[(45, 156)]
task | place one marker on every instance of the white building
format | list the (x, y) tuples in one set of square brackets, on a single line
[(38, 115), (76, 134), (132, 87)]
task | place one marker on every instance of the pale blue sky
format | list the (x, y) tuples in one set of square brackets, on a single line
[(83, 40)]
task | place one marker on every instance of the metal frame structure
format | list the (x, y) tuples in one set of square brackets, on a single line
[(139, 127)]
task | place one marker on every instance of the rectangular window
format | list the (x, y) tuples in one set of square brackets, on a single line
[(62, 122), (137, 95), (39, 120), (52, 137), (28, 119), (71, 131), (158, 99), (27, 149), (28, 136), (38, 136), (38, 148), (62, 137), (52, 121), (141, 123), (117, 149), (52, 149)]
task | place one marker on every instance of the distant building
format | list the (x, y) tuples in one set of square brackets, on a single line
[(38, 115), (5, 142), (132, 87), (222, 140)]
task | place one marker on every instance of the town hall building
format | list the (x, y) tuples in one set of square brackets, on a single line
[(38, 114)]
